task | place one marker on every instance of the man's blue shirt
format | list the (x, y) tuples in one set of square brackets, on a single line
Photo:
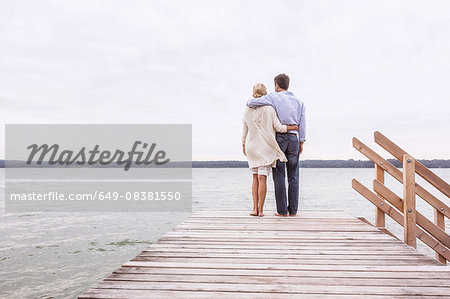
[(289, 108)]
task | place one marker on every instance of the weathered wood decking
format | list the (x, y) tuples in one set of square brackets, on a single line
[(319, 253)]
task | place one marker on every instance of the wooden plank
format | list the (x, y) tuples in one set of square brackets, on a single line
[(275, 228), (251, 250), (275, 219), (296, 219), (306, 212), (409, 201), (421, 170), (386, 248), (259, 236), (380, 220), (286, 273), (300, 214), (298, 280), (296, 224), (274, 261), (439, 221), (296, 258), (156, 294), (300, 242), (274, 288), (296, 236), (268, 266), (397, 174), (275, 235), (277, 255), (286, 238)]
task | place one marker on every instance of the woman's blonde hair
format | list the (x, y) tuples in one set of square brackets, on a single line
[(259, 90)]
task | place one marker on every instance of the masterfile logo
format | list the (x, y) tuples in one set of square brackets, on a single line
[(79, 168), (94, 156)]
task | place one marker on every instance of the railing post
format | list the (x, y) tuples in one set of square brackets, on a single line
[(409, 200), (380, 220), (439, 220)]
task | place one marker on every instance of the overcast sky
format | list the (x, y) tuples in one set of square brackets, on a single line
[(359, 66)]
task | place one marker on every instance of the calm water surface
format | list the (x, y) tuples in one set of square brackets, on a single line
[(60, 255)]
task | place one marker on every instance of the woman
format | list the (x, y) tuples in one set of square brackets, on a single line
[(260, 146)]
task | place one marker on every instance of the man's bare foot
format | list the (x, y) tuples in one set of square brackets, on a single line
[(280, 215), (260, 214), (254, 213), (292, 215)]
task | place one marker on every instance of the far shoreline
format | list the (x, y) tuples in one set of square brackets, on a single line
[(350, 163)]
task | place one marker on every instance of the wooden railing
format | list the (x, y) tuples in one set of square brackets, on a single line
[(403, 210)]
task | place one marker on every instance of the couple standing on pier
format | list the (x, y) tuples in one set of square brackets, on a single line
[(272, 140)]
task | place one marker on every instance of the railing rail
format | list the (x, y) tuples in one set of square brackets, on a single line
[(403, 210), (397, 174), (421, 169)]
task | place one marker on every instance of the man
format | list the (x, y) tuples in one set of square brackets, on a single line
[(290, 110)]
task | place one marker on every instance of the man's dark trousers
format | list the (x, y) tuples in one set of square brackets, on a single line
[(290, 147)]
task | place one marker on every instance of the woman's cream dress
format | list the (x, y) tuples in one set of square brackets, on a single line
[(258, 136)]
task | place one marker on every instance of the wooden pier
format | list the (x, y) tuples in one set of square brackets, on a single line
[(318, 253)]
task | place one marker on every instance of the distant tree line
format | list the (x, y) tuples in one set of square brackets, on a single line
[(435, 163)]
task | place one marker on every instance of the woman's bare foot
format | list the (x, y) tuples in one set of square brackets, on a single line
[(254, 213), (260, 214)]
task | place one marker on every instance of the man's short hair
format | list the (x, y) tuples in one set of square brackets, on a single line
[(282, 80)]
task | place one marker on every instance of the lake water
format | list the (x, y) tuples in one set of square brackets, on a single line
[(60, 255)]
